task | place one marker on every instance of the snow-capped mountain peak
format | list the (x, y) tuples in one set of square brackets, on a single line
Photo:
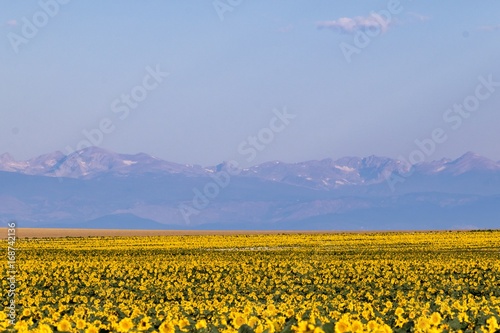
[(470, 161), (317, 174)]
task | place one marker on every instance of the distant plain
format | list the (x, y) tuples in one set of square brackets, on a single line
[(64, 232)]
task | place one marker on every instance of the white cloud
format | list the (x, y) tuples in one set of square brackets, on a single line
[(286, 29), (490, 27), (419, 17), (11, 23), (359, 23)]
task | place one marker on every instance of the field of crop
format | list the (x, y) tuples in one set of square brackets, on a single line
[(370, 282)]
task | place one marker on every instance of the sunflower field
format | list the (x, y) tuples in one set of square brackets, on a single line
[(344, 282)]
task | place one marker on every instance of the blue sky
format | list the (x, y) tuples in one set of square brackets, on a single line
[(226, 76)]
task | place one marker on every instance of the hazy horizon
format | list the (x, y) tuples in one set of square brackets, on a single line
[(257, 163), (194, 84)]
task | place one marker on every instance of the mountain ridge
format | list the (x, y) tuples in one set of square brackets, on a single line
[(94, 161), (98, 188)]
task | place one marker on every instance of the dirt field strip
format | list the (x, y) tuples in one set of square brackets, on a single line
[(56, 232), (53, 232)]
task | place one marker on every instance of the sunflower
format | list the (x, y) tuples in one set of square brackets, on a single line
[(342, 326), (356, 326), (80, 324), (125, 325), (239, 320), (436, 318), (167, 327), (183, 323), (201, 324), (253, 321), (44, 328), (92, 329), (423, 323), (64, 326), (492, 324), (372, 325), (144, 324)]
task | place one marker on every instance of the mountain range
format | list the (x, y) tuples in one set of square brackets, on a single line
[(96, 188)]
